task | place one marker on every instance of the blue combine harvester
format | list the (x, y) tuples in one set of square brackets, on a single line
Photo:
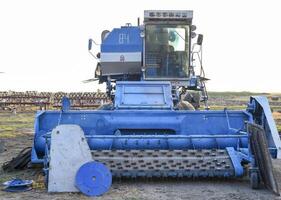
[(154, 127)]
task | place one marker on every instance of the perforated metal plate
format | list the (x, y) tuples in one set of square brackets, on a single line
[(164, 163)]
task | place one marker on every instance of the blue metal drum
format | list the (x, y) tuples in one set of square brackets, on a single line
[(93, 179)]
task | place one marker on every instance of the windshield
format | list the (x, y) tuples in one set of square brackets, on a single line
[(166, 51)]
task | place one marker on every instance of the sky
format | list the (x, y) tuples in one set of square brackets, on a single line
[(43, 44)]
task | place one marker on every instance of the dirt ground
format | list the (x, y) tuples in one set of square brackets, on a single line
[(20, 136)]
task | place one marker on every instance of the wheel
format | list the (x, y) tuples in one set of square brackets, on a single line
[(93, 178), (46, 179), (254, 180)]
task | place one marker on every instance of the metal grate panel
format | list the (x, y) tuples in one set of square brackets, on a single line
[(163, 163)]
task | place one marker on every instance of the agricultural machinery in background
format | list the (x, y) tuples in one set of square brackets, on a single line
[(154, 126)]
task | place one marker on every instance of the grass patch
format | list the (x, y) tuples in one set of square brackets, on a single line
[(5, 128), (228, 107), (275, 108), (20, 117), (279, 128), (276, 115), (11, 124), (235, 94), (8, 135)]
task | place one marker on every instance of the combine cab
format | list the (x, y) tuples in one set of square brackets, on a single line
[(154, 127)]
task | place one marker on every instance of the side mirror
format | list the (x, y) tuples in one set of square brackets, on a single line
[(193, 28), (200, 39), (193, 35), (104, 34), (90, 44)]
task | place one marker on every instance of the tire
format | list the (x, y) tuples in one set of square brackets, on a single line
[(254, 180)]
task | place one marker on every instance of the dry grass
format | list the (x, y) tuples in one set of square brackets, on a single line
[(276, 115), (12, 124)]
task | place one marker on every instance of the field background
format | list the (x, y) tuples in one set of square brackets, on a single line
[(240, 100)]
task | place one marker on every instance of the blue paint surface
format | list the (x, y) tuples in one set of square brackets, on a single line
[(124, 39), (152, 123), (93, 179)]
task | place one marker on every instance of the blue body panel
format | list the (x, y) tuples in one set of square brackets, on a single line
[(152, 128), (124, 39), (143, 95)]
